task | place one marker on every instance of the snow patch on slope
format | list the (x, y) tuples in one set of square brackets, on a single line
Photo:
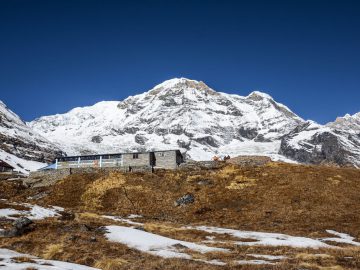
[(9, 262), (21, 165), (155, 244)]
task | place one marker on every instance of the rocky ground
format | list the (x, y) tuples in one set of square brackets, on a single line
[(239, 215)]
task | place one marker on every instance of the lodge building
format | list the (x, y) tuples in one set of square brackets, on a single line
[(168, 159)]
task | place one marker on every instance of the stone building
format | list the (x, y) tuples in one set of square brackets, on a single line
[(5, 167), (168, 159)]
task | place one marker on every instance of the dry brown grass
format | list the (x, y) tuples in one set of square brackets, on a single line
[(293, 199), (23, 260), (91, 198), (52, 251), (241, 182), (110, 264)]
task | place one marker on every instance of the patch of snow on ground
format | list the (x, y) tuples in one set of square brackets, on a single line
[(8, 213), (257, 262), (35, 212), (124, 220), (341, 238), (267, 257), (21, 165), (155, 244), (265, 239), (213, 262), (38, 212), (134, 216), (8, 262)]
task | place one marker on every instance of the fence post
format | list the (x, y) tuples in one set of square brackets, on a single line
[(100, 161), (56, 164)]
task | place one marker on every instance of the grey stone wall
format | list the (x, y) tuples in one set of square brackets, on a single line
[(142, 160), (46, 177), (50, 177), (166, 160)]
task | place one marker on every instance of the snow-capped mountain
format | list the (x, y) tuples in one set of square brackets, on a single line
[(19, 143), (314, 143), (189, 115), (177, 113), (349, 123)]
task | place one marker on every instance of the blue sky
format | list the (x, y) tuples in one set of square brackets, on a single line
[(56, 55)]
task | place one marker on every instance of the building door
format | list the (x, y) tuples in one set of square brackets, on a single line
[(152, 159)]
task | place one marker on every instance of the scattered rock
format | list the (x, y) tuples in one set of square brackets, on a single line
[(93, 239), (184, 200), (20, 226), (73, 237), (140, 228), (97, 139), (66, 215), (22, 223), (85, 228), (205, 182), (249, 160), (180, 246), (140, 139), (38, 196)]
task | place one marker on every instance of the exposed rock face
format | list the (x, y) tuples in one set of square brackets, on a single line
[(18, 139), (96, 139), (313, 143)]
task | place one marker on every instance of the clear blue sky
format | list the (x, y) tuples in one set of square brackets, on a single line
[(56, 55)]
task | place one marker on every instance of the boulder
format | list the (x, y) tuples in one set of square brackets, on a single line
[(184, 200)]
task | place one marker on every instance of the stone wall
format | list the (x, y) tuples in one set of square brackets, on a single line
[(46, 177), (199, 165), (166, 160), (142, 160), (50, 177)]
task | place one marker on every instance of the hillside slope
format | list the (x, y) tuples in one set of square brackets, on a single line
[(20, 143), (289, 216)]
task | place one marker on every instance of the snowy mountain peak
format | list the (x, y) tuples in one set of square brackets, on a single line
[(186, 88), (176, 82), (347, 122), (178, 113), (259, 95)]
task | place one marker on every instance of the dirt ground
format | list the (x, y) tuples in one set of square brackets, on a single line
[(276, 197)]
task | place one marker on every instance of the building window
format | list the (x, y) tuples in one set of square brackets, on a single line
[(161, 154), (135, 155)]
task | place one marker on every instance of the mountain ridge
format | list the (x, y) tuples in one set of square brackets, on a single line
[(191, 116), (19, 143), (178, 113)]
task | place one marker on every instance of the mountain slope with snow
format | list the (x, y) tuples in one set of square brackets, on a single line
[(350, 123), (188, 115), (19, 144), (178, 113), (314, 143)]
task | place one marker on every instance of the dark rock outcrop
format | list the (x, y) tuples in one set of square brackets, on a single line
[(19, 227), (310, 143)]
